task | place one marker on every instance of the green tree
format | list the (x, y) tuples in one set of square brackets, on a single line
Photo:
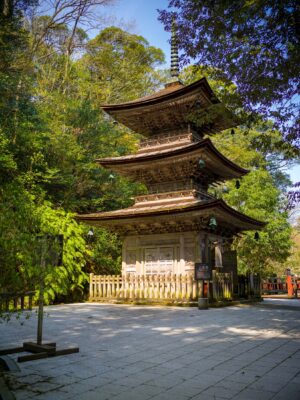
[(77, 130), (121, 66), (24, 212), (23, 218), (255, 43), (259, 198), (293, 261), (106, 254), (261, 194)]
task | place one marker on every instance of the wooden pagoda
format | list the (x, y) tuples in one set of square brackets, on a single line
[(178, 223)]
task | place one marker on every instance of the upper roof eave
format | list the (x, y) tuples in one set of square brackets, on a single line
[(162, 96)]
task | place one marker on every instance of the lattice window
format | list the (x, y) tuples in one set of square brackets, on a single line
[(159, 260)]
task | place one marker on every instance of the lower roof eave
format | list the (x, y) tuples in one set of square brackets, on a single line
[(195, 216)]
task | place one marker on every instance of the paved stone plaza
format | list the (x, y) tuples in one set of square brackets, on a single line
[(160, 353)]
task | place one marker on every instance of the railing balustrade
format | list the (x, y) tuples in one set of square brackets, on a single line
[(157, 287), (16, 301)]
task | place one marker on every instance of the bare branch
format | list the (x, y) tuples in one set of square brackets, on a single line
[(70, 13)]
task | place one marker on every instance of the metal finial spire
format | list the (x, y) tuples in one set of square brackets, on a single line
[(174, 52)]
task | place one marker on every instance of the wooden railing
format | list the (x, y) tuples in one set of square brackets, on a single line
[(249, 286), (222, 284), (10, 301), (279, 285), (274, 286), (157, 287)]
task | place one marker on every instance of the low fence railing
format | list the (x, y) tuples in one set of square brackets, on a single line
[(222, 286), (280, 285), (157, 287), (10, 301), (274, 286), (249, 286)]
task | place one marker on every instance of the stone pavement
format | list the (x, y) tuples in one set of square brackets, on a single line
[(163, 353)]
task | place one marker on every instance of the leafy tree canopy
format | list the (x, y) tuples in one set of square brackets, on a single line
[(121, 66), (23, 218), (255, 43)]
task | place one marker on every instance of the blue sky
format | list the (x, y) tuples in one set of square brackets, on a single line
[(141, 16)]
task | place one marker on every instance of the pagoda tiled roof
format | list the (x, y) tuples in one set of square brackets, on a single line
[(169, 91), (215, 161), (169, 107), (184, 209)]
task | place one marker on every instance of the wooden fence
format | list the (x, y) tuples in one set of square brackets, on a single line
[(16, 301), (169, 287), (249, 286), (222, 286)]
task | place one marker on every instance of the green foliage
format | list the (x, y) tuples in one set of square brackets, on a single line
[(7, 163), (78, 135), (16, 207), (293, 261), (77, 131), (259, 198), (121, 66), (70, 275), (24, 213), (254, 44), (23, 219), (106, 255)]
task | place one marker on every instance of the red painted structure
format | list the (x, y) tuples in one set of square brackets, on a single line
[(289, 285)]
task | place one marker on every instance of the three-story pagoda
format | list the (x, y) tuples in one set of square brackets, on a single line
[(178, 223)]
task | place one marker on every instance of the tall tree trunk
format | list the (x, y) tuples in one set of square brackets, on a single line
[(6, 8)]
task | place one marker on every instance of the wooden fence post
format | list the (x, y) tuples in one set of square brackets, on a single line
[(91, 296)]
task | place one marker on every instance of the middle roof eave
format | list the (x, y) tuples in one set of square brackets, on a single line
[(186, 150)]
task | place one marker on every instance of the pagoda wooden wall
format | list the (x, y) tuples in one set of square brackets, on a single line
[(168, 253)]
